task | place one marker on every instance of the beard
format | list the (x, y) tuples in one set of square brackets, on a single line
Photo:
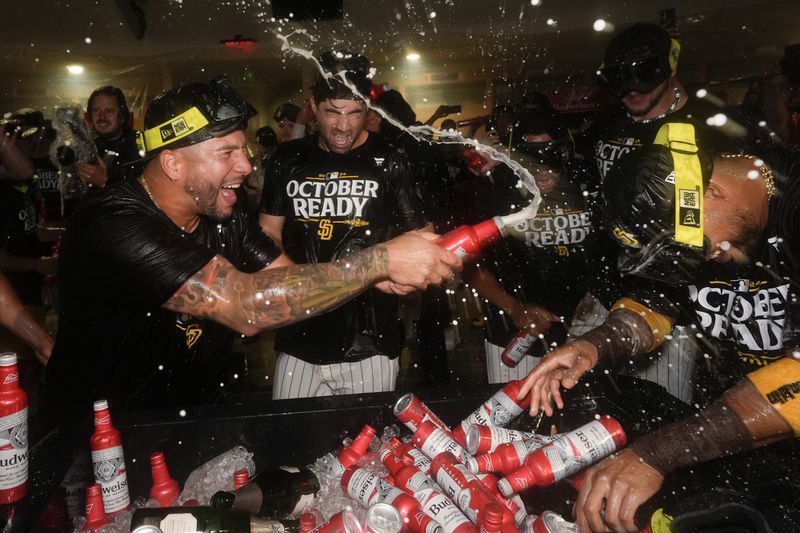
[(205, 197), (653, 99)]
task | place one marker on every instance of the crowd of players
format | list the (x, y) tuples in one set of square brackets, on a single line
[(665, 246)]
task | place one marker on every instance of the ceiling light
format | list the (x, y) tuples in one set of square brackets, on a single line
[(413, 56), (75, 70), (599, 25)]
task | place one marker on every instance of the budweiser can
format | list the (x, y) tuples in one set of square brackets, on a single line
[(451, 475), (414, 519), (550, 522), (566, 455), (383, 518), (517, 348), (513, 504), (412, 412), (432, 441), (500, 409), (108, 461), (308, 521), (13, 432), (485, 439), (361, 485), (465, 241), (421, 460), (95, 513), (492, 519), (344, 522), (444, 511), (407, 477), (510, 456), (352, 453)]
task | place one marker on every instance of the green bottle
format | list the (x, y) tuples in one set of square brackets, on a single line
[(206, 520)]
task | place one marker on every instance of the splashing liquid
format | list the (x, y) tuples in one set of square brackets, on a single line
[(425, 133)]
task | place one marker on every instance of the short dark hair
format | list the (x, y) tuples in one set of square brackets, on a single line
[(109, 90), (356, 68)]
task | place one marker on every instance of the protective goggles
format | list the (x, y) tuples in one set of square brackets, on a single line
[(217, 111), (554, 154), (641, 76), (662, 259)]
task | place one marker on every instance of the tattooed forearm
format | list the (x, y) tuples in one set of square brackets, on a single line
[(271, 298)]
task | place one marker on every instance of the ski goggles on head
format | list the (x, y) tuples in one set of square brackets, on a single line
[(641, 76), (215, 110)]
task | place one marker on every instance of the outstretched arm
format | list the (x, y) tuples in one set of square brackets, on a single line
[(250, 303), (757, 411)]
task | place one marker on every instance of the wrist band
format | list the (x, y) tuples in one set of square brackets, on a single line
[(779, 384), (659, 324)]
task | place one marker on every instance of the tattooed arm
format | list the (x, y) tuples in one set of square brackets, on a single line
[(249, 303)]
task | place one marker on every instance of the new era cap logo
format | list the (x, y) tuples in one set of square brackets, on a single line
[(173, 129)]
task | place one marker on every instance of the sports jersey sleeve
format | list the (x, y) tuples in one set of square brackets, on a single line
[(408, 200), (120, 254), (258, 250), (273, 196)]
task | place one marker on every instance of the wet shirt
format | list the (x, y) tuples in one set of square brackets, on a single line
[(121, 156), (551, 259), (46, 184), (18, 219), (749, 314), (121, 259), (615, 134), (334, 205)]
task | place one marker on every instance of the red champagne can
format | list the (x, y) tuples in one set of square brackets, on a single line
[(465, 241), (550, 522), (408, 478), (352, 453), (13, 432), (517, 348), (412, 412), (484, 439), (95, 513), (414, 520), (510, 456), (383, 518), (500, 409), (432, 441), (566, 455), (343, 522), (108, 461), (361, 485), (444, 511)]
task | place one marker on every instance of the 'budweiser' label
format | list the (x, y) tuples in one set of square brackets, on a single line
[(110, 473)]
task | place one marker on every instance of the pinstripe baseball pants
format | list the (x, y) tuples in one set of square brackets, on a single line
[(295, 378)]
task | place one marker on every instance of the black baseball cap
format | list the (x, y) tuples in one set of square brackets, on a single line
[(193, 113)]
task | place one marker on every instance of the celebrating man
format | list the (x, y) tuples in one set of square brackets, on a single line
[(157, 275)]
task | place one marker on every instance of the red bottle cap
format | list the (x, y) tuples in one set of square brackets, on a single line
[(240, 479)]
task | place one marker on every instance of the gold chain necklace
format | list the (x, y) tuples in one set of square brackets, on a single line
[(143, 181), (766, 173)]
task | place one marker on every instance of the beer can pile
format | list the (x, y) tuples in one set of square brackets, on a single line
[(469, 478)]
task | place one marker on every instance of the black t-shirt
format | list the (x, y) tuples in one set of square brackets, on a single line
[(615, 134), (18, 219), (121, 259), (121, 155), (46, 185), (749, 314), (551, 259), (334, 205)]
